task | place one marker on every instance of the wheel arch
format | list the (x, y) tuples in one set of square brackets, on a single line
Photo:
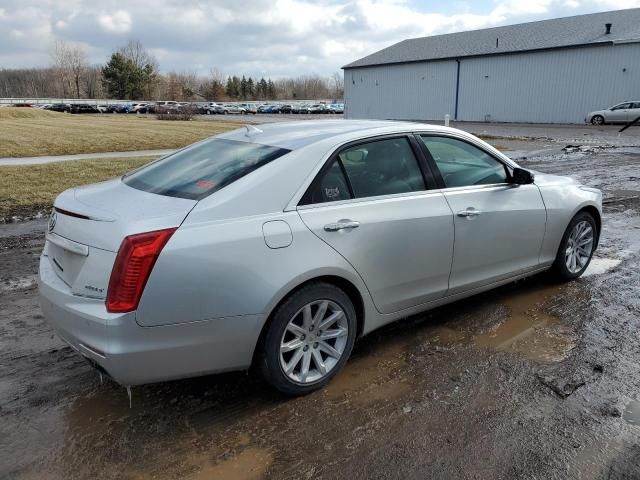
[(347, 286), (595, 213)]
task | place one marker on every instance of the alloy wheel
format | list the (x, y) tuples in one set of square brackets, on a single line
[(579, 246), (313, 341)]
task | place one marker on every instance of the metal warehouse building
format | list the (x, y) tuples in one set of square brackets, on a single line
[(548, 71)]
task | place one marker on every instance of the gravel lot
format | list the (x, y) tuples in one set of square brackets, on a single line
[(533, 380)]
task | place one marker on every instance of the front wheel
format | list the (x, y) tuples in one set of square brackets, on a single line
[(597, 120), (577, 247), (309, 339)]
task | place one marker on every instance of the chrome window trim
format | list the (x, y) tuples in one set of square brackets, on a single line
[(376, 199)]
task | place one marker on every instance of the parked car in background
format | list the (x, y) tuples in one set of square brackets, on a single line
[(621, 113), (300, 108), (234, 109), (318, 108), (103, 108), (151, 107), (83, 108), (122, 108), (286, 108), (336, 108), (272, 109), (249, 108), (217, 109), (207, 261), (166, 106), (136, 107), (59, 107)]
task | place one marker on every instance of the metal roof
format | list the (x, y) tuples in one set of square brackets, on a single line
[(580, 30)]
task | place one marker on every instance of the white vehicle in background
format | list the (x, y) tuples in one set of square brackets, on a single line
[(235, 109), (136, 107), (621, 113)]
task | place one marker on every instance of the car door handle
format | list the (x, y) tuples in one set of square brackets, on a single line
[(469, 213), (341, 225)]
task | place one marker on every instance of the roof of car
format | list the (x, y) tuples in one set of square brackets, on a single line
[(294, 135), (563, 32)]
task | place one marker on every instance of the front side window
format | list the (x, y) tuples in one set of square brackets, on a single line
[(203, 169), (462, 164), (380, 167)]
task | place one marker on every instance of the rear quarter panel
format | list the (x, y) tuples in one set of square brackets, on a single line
[(224, 268)]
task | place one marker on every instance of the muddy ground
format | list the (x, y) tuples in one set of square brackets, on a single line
[(535, 380)]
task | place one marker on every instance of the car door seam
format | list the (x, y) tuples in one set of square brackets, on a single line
[(345, 259)]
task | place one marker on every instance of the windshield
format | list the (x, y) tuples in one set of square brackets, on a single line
[(202, 169)]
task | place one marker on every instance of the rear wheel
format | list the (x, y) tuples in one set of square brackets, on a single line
[(597, 120), (577, 247), (309, 339)]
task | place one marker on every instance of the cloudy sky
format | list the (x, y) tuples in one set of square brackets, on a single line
[(255, 37)]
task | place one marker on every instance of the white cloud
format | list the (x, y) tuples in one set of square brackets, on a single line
[(117, 22), (254, 37)]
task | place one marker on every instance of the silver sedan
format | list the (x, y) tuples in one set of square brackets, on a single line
[(278, 246)]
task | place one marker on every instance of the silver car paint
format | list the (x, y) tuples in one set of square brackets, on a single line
[(622, 115), (416, 270), (218, 278)]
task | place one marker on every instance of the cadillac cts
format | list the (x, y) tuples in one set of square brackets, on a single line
[(278, 247)]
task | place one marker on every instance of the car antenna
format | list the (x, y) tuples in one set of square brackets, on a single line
[(251, 129)]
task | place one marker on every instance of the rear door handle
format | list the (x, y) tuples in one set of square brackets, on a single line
[(469, 212), (341, 225)]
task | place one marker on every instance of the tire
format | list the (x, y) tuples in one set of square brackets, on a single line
[(291, 313), (597, 120), (563, 264)]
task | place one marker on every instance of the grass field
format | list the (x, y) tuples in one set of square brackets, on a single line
[(29, 132), (28, 189)]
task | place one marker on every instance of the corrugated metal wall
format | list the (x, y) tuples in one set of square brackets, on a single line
[(410, 91), (558, 86)]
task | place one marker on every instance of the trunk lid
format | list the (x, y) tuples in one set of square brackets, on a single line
[(89, 223)]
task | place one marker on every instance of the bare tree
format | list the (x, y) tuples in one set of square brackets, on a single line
[(60, 66), (69, 62)]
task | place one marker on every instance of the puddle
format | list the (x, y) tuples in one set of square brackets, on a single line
[(368, 368), (598, 266), (631, 413), (447, 336), (250, 464), (528, 330)]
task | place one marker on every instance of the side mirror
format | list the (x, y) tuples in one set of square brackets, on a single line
[(522, 177)]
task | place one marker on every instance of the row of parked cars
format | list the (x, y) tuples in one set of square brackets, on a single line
[(201, 108)]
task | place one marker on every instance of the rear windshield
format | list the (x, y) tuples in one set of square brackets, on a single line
[(202, 169)]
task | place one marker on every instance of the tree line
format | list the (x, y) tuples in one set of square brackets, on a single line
[(132, 73)]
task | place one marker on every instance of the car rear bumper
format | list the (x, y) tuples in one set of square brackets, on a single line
[(134, 355)]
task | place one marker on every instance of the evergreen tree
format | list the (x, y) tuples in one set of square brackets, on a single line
[(119, 76), (262, 89), (228, 89), (243, 88), (251, 88), (271, 90)]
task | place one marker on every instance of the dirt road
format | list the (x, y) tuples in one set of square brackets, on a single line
[(534, 380)]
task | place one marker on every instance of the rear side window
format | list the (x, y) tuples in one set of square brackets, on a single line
[(381, 167), (202, 169)]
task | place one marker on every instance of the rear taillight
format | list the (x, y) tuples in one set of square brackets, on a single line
[(134, 262)]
